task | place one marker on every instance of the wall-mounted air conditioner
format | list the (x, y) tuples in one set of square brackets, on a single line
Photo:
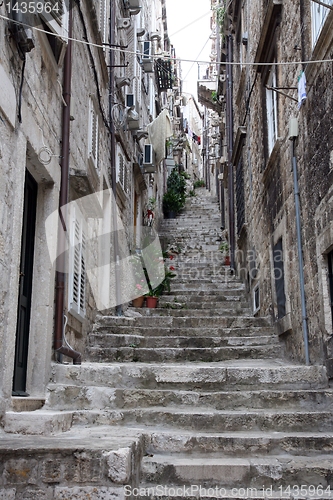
[(134, 4), (123, 22)]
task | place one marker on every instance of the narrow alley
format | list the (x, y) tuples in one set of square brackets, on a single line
[(194, 396)]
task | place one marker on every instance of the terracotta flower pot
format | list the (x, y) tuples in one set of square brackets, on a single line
[(138, 302), (151, 302), (227, 260)]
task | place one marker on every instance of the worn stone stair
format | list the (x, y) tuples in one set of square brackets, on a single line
[(193, 399)]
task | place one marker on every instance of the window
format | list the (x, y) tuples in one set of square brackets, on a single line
[(279, 279), (330, 280), (77, 265), (122, 173), (93, 134), (103, 20), (57, 18), (240, 195), (256, 299), (318, 17), (271, 110)]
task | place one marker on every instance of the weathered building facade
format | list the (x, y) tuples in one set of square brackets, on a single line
[(272, 47), (79, 88)]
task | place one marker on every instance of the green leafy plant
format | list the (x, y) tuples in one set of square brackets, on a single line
[(224, 247), (172, 202), (199, 183)]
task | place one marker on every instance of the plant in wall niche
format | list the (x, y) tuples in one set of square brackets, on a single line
[(220, 11), (214, 96), (224, 248)]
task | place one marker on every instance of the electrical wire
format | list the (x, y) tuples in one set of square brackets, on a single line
[(175, 59), (190, 24), (19, 115)]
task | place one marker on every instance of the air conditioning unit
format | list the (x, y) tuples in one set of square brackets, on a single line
[(134, 4), (133, 120), (130, 101), (123, 22)]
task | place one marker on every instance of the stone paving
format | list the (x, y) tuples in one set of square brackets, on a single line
[(193, 399)]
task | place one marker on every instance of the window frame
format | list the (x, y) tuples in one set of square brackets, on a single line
[(319, 14)]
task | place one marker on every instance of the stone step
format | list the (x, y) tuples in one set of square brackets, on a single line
[(61, 397), (171, 309), (183, 321), (179, 355), (203, 419), (80, 464), (256, 472), (152, 342), (102, 332), (223, 376), (195, 419), (242, 443)]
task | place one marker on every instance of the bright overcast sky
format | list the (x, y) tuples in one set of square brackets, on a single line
[(190, 39)]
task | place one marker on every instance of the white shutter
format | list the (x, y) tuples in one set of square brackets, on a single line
[(77, 266), (57, 18), (271, 107), (93, 134)]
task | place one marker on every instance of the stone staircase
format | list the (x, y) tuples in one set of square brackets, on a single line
[(193, 399)]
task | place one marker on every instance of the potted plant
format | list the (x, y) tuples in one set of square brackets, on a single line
[(224, 248), (171, 204), (154, 293)]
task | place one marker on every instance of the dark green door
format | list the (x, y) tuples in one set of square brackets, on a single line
[(25, 286)]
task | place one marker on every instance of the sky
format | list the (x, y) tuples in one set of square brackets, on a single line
[(190, 39)]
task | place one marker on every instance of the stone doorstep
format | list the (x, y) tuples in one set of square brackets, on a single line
[(102, 397), (29, 403), (233, 472)]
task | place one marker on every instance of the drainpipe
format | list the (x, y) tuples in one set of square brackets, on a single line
[(300, 253), (59, 338), (113, 161), (230, 138)]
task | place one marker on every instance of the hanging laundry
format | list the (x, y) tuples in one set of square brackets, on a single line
[(158, 132), (301, 89)]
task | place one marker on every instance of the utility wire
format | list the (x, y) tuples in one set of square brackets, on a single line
[(175, 59)]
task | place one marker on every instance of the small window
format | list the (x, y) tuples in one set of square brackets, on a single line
[(330, 280), (279, 279), (256, 299), (56, 18), (318, 17), (93, 134), (77, 266)]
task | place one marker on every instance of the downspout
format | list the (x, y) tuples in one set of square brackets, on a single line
[(300, 254), (113, 161), (230, 138), (59, 338)]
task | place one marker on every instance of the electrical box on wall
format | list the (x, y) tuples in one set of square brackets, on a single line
[(293, 128)]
